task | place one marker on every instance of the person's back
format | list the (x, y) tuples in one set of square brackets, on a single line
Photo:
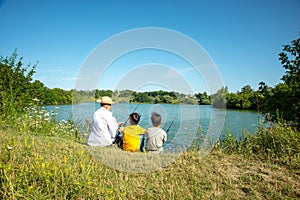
[(155, 136), (132, 134), (104, 125)]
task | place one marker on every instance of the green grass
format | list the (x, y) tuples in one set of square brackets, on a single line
[(278, 144), (42, 159), (43, 167)]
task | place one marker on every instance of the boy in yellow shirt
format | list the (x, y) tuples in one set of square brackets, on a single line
[(132, 134)]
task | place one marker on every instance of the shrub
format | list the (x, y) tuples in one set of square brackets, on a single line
[(278, 143), (15, 85)]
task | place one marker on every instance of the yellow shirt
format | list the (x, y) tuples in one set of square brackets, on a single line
[(131, 138)]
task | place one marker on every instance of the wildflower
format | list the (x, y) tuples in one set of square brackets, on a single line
[(30, 188), (65, 159), (9, 147), (80, 152)]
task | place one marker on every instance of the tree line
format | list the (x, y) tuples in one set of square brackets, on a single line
[(17, 90), (279, 102)]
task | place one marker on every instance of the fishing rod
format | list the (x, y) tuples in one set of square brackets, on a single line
[(171, 124), (118, 138)]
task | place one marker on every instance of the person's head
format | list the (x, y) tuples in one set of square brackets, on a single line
[(156, 119), (134, 118), (105, 102)]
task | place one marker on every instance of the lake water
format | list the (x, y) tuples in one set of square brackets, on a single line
[(186, 118)]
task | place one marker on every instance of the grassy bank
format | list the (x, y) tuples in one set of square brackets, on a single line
[(43, 159), (45, 167)]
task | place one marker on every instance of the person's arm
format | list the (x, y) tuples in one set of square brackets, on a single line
[(112, 126)]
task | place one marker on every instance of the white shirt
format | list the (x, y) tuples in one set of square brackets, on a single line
[(155, 139), (104, 128)]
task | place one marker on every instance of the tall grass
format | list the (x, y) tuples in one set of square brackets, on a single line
[(278, 143), (43, 167), (35, 120), (45, 159)]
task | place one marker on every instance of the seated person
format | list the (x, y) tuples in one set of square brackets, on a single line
[(155, 136), (132, 134), (104, 127)]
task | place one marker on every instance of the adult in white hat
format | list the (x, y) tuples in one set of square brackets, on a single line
[(104, 126)]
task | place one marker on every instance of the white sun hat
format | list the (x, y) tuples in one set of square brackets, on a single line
[(105, 100)]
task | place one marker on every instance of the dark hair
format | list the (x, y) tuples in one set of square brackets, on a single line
[(135, 117), (156, 119)]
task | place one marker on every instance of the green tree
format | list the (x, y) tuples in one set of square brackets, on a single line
[(101, 93), (290, 60), (260, 96), (284, 98), (38, 89), (219, 98), (247, 89), (244, 98), (15, 85), (232, 101), (257, 100), (203, 99)]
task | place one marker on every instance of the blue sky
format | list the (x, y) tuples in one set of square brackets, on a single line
[(243, 38)]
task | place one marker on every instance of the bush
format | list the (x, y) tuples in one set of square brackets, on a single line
[(15, 85), (278, 143), (34, 120)]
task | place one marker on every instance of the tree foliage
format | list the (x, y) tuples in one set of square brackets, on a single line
[(15, 85), (160, 96), (219, 98), (203, 98), (283, 100), (18, 91), (247, 99)]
